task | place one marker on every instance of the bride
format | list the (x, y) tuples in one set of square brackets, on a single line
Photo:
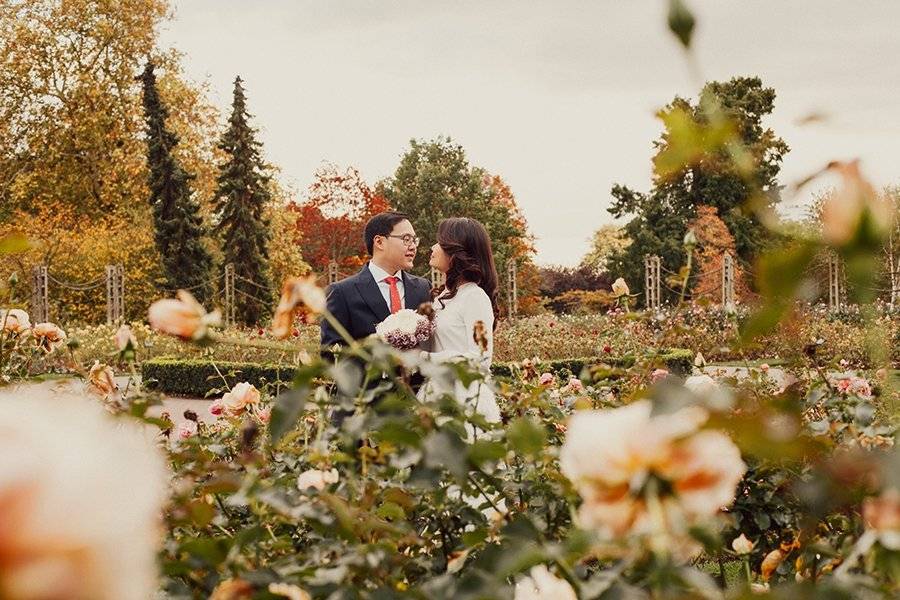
[(463, 254)]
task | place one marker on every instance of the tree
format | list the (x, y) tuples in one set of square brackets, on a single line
[(695, 165), (179, 228), (330, 222), (606, 242), (434, 181), (713, 241), (241, 198)]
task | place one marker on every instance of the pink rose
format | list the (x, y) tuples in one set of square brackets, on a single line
[(575, 384), (546, 378), (217, 408), (187, 429), (658, 375), (264, 414), (764, 367)]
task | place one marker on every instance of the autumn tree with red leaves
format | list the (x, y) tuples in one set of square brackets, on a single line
[(713, 241), (330, 222)]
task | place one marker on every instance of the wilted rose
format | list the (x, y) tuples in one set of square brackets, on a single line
[(184, 318), (620, 288), (770, 563), (14, 320), (49, 336), (240, 396), (315, 478), (61, 538), (299, 295), (541, 584), (101, 379)]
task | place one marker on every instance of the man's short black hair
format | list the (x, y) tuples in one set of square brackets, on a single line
[(381, 224)]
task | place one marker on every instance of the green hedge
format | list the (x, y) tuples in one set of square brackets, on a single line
[(202, 378)]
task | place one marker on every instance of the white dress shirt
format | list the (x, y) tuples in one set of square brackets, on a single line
[(380, 274)]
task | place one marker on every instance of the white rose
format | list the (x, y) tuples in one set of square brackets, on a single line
[(14, 320), (314, 478), (541, 584)]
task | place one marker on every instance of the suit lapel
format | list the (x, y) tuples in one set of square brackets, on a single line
[(368, 289), (415, 294)]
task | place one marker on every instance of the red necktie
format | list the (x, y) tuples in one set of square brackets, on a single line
[(395, 293)]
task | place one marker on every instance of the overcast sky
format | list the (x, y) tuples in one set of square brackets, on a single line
[(557, 97)]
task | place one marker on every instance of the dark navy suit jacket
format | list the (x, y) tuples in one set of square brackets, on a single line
[(357, 304)]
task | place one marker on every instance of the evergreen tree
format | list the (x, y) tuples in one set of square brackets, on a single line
[(176, 215), (240, 200)]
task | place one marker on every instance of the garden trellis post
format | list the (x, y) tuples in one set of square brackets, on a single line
[(652, 286), (40, 302), (834, 283), (727, 281), (230, 306), (512, 292), (333, 274), (115, 294)]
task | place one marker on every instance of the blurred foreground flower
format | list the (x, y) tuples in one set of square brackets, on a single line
[(184, 318), (82, 496), (292, 592), (124, 339), (625, 461), (14, 320), (299, 295), (314, 478), (882, 515), (741, 545), (541, 584), (854, 205)]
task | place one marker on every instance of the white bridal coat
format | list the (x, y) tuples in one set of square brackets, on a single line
[(454, 339)]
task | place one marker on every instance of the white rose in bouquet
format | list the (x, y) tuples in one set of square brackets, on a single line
[(405, 329)]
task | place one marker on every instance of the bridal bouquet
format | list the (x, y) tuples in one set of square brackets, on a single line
[(405, 329)]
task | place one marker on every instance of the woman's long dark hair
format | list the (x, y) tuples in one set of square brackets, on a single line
[(467, 245)]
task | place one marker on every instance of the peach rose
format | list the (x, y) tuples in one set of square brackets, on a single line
[(741, 545), (620, 288), (241, 395), (608, 454), (184, 318), (14, 320), (291, 592), (882, 515), (124, 338), (232, 589), (49, 336), (101, 379), (298, 295)]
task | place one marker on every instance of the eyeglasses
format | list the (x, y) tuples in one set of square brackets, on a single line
[(408, 239)]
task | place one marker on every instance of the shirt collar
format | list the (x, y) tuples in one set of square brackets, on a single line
[(379, 274)]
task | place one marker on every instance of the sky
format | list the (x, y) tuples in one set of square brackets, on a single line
[(557, 97)]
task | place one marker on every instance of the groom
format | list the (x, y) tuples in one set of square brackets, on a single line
[(383, 286)]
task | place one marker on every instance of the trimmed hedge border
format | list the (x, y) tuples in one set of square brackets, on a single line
[(200, 378)]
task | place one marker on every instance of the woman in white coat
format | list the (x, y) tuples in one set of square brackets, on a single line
[(465, 308)]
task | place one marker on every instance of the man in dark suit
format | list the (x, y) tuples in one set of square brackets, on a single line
[(383, 286)]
